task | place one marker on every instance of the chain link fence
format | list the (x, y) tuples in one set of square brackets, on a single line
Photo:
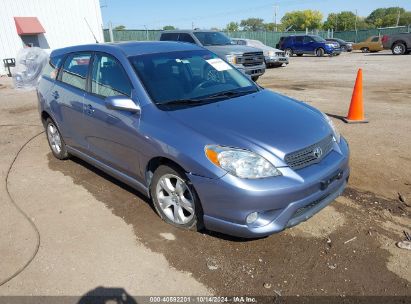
[(268, 38)]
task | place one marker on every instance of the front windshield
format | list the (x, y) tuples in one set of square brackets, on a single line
[(256, 43), (212, 38), (318, 39), (190, 76)]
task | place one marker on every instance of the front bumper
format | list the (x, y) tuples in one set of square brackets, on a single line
[(333, 51), (281, 202), (276, 60), (255, 70)]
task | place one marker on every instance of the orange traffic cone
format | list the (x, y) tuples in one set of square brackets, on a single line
[(356, 111)]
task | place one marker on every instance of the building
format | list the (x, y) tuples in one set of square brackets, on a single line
[(48, 24)]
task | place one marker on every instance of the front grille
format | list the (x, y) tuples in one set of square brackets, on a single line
[(310, 155), (308, 207), (250, 59)]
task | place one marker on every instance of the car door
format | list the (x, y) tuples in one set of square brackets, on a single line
[(298, 44), (375, 43), (112, 135), (68, 97), (308, 45)]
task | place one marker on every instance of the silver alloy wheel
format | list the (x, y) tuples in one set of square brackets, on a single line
[(398, 49), (54, 139), (175, 199), (288, 52)]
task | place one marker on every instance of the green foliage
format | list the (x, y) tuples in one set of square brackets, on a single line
[(300, 20), (252, 24), (119, 28), (168, 28), (385, 17), (232, 27)]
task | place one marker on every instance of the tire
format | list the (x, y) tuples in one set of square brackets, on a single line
[(178, 206), (300, 55), (55, 140), (398, 48), (343, 49), (319, 52), (255, 78), (288, 52), (365, 50)]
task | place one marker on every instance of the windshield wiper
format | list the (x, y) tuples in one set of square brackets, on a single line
[(205, 99), (229, 94)]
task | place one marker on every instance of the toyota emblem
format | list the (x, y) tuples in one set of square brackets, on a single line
[(317, 152)]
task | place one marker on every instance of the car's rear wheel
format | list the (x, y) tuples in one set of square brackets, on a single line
[(319, 52), (299, 55), (288, 52), (55, 140), (365, 50), (175, 198), (399, 48)]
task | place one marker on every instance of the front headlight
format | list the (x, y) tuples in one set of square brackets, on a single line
[(271, 53), (231, 59), (241, 163), (330, 44), (336, 134)]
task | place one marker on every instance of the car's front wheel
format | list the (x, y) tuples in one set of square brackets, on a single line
[(288, 52), (319, 52), (55, 140), (365, 50), (399, 48), (175, 198)]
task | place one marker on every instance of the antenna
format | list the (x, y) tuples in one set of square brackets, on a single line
[(88, 25)]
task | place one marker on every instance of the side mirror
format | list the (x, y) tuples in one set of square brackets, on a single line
[(122, 103)]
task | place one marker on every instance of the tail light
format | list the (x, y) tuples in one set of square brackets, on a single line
[(384, 39)]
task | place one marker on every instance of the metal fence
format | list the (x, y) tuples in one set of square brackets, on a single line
[(268, 38)]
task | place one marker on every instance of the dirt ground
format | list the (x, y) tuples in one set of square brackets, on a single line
[(98, 232)]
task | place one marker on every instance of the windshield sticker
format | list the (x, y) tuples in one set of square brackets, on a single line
[(219, 64)]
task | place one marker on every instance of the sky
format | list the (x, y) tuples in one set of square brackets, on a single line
[(183, 14)]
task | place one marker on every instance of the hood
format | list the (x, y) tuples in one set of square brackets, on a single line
[(267, 120), (267, 48), (223, 50)]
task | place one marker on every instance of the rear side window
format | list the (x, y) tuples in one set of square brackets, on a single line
[(299, 38), (184, 37), (375, 39), (108, 77), (52, 67), (75, 70), (169, 37)]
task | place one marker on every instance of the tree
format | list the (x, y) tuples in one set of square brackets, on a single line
[(252, 24), (119, 28), (405, 18), (232, 27), (300, 20), (168, 27), (384, 17), (343, 21)]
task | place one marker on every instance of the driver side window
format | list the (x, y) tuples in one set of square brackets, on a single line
[(108, 77)]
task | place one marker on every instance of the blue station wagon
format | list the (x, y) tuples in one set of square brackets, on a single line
[(309, 44), (211, 150)]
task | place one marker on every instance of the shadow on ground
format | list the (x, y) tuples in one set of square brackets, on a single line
[(288, 263)]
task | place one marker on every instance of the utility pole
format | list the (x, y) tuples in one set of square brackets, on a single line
[(192, 25), (398, 17), (355, 26), (276, 7)]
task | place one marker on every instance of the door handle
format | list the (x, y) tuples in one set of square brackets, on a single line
[(55, 94), (89, 109)]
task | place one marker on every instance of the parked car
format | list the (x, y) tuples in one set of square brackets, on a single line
[(371, 44), (345, 46), (220, 153), (399, 44), (273, 57), (246, 59), (309, 44)]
